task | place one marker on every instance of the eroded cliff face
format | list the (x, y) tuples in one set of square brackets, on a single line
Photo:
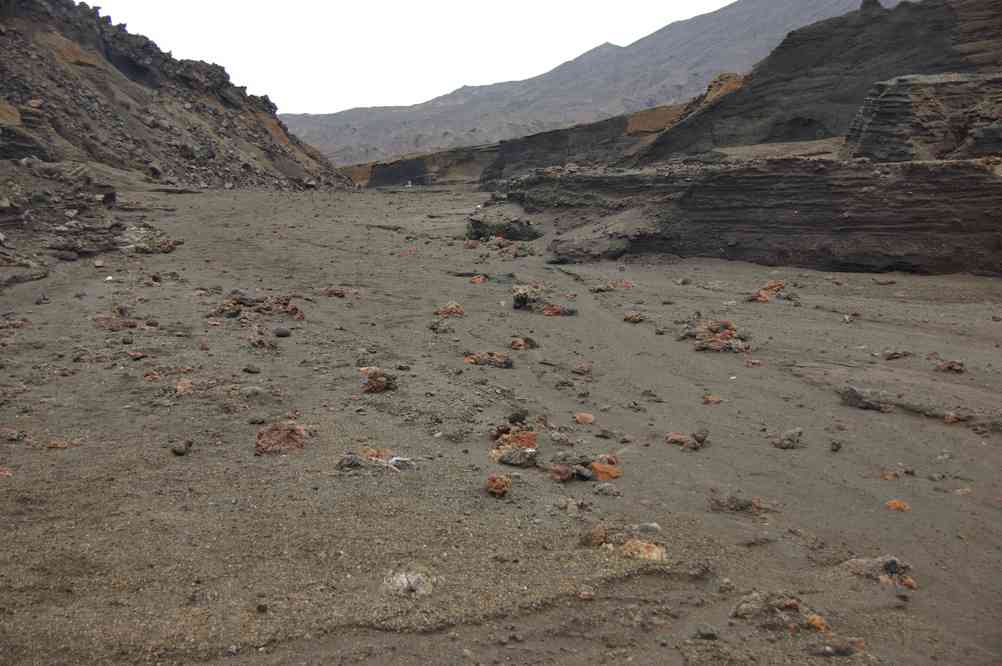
[(929, 118), (812, 85), (75, 87), (929, 217)]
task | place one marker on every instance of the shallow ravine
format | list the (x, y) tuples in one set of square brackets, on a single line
[(117, 549)]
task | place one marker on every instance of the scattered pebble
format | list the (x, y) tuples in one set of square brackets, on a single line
[(409, 584), (791, 439), (182, 449), (608, 490)]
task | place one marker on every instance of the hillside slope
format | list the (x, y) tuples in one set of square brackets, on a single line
[(75, 87), (669, 66)]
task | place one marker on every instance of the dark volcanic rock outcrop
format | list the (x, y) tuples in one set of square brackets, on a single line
[(610, 141), (916, 216), (667, 67), (929, 117), (463, 165), (75, 87), (925, 198), (606, 142), (812, 85)]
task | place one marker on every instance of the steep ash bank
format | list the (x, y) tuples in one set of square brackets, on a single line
[(76, 87)]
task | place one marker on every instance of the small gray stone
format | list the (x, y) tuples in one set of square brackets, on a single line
[(254, 393), (282, 332), (518, 416), (706, 632), (409, 584), (839, 649), (560, 439), (519, 457), (608, 490), (572, 458), (865, 399), (243, 298), (351, 460), (403, 464), (791, 439)]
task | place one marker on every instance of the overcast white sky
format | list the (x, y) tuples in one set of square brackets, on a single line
[(319, 56)]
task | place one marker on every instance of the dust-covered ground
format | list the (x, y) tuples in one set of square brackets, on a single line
[(138, 525)]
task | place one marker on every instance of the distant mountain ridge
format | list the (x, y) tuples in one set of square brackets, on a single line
[(671, 65)]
